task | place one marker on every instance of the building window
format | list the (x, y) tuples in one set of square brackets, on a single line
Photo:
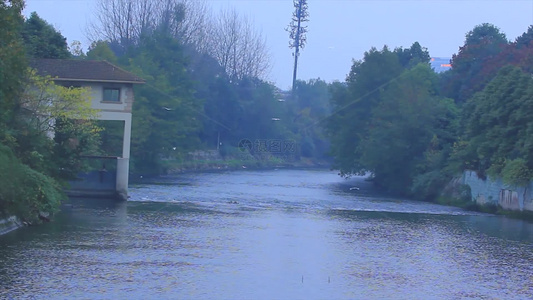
[(111, 95)]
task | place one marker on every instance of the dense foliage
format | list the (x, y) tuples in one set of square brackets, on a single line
[(192, 102), (44, 128), (412, 129), (393, 118)]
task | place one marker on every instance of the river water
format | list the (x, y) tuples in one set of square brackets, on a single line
[(281, 234)]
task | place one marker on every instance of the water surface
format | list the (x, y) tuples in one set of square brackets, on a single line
[(281, 234)]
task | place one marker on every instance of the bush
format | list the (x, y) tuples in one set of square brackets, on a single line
[(25, 192), (516, 172)]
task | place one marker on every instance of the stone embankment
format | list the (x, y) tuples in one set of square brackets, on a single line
[(492, 191), (9, 224)]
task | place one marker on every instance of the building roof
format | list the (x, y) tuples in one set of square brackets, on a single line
[(83, 70)]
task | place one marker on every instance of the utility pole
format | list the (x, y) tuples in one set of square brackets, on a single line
[(297, 33)]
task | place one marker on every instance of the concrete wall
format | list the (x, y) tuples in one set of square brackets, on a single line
[(495, 192), (9, 224), (114, 111)]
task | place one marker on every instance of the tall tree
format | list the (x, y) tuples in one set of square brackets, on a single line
[(12, 60), (409, 123), (297, 32), (498, 128), (239, 49), (525, 39), (482, 45), (352, 106), (229, 37), (309, 107), (42, 40), (166, 116)]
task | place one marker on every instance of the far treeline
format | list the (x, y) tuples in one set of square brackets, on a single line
[(206, 89)]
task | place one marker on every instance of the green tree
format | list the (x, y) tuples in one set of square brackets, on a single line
[(352, 106), (407, 131), (482, 44), (309, 107), (497, 124), (412, 56), (42, 40), (12, 63), (54, 128), (100, 50), (25, 192), (166, 115), (525, 39)]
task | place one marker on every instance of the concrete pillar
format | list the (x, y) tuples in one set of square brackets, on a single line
[(123, 163), (123, 168), (127, 137)]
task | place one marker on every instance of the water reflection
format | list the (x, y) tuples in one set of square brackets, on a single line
[(264, 235)]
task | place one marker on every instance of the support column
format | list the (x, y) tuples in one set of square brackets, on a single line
[(123, 168), (123, 163)]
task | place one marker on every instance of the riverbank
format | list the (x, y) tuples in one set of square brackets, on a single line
[(189, 237), (460, 195), (9, 224), (207, 165)]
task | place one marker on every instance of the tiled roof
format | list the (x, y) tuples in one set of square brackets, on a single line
[(83, 70)]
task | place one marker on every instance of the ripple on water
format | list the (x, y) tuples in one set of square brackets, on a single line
[(264, 235)]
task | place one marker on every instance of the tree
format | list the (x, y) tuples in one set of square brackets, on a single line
[(12, 63), (413, 56), (64, 114), (525, 39), (388, 120), (409, 122), (309, 107), (33, 165), (25, 192), (297, 32), (100, 50), (482, 45), (497, 125), (228, 37), (352, 106), (238, 48), (76, 50), (165, 114), (42, 40)]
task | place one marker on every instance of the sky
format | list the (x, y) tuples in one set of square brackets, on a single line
[(339, 30)]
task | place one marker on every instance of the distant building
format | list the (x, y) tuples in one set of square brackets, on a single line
[(111, 91), (440, 64)]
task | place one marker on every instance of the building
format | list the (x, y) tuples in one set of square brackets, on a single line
[(112, 95), (441, 64)]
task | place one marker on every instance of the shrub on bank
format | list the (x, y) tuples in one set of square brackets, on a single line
[(25, 192)]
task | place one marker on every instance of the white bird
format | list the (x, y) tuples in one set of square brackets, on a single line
[(166, 108), (354, 188)]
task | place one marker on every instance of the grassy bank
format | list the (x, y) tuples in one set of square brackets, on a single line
[(176, 166), (485, 208)]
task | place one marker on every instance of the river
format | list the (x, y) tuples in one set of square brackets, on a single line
[(280, 234)]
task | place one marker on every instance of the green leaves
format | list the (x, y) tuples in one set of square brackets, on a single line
[(517, 172), (42, 40), (498, 123), (390, 122), (25, 192)]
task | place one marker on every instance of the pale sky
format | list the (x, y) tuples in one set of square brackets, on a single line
[(339, 30)]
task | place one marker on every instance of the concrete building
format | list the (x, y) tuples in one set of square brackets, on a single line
[(112, 95)]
